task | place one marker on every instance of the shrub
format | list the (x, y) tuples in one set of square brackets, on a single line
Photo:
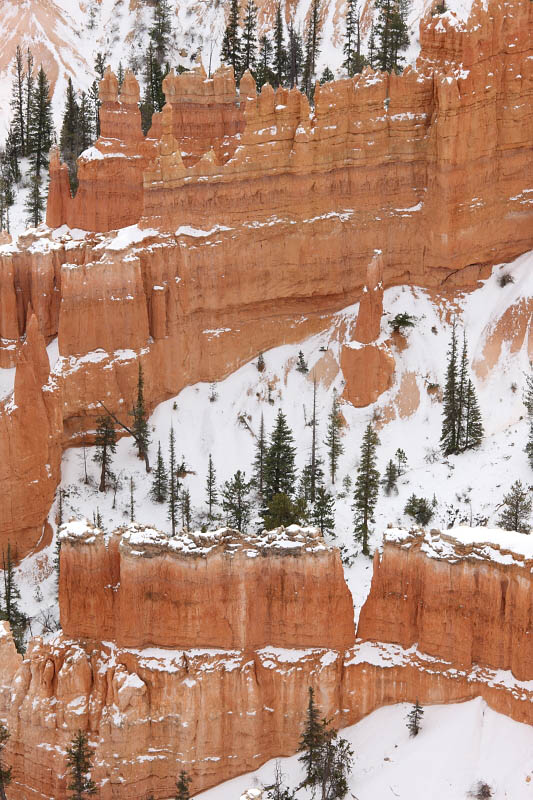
[(504, 279), (401, 321), (419, 508)]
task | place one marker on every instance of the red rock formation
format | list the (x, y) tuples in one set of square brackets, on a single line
[(368, 322), (368, 372), (138, 588)]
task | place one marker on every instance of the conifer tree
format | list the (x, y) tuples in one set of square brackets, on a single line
[(236, 503), (528, 402), (97, 519), (264, 75), (79, 757), (35, 203), (13, 154), (10, 610), (333, 437), (140, 418), (94, 102), (85, 123), (211, 487), (324, 512), (462, 427), (29, 89), (295, 55), (159, 490), (336, 760), (69, 138), (40, 127), (401, 459), (120, 75), (99, 65), (132, 500), (280, 52), (259, 459), (301, 365), (349, 36), (516, 513), (154, 97), (278, 790), (279, 471), (5, 771), (311, 741), (392, 32), (390, 479), (185, 507), (366, 487), (173, 483), (448, 438), (161, 30), (473, 427), (313, 474), (18, 121), (327, 76), (106, 445), (312, 47), (249, 37), (231, 53), (414, 719), (182, 786), (372, 47)]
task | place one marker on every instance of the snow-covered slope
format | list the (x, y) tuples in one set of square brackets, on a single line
[(458, 747), (466, 488)]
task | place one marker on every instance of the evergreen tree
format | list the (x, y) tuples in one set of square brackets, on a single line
[(419, 508), (333, 437), (414, 719), (29, 89), (372, 47), (473, 428), (249, 37), (312, 47), (182, 786), (366, 487), (69, 138), (79, 757), (40, 127), (393, 34), (324, 512), (401, 458), (99, 65), (86, 128), (390, 479), (5, 771), (280, 52), (301, 365), (132, 500), (106, 444), (279, 470), (97, 519), (140, 418), (311, 741), (94, 103), (349, 36), (154, 97), (264, 75), (448, 438), (211, 487), (528, 402), (295, 55), (12, 157), (159, 490), (462, 428), (259, 459), (231, 43), (185, 507), (327, 76), (516, 514), (173, 483), (161, 30), (282, 511), (18, 122), (35, 203), (10, 610), (120, 75), (235, 502)]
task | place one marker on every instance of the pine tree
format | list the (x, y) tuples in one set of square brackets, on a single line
[(235, 502), (313, 475), (154, 97), (5, 771), (106, 445), (448, 438), (79, 757), (366, 487), (94, 102), (185, 508), (401, 458), (324, 512), (69, 141), (86, 129), (516, 514), (312, 48), (249, 37), (281, 510), (311, 741), (333, 437), (231, 44), (280, 53), (159, 490), (264, 75), (393, 34), (29, 88), (211, 487), (173, 483), (259, 459), (132, 500), (473, 428), (99, 65), (161, 30), (528, 402), (372, 47), (97, 519), (279, 472), (301, 365), (120, 75), (349, 36), (182, 786), (10, 610), (390, 479), (295, 55), (40, 127), (18, 122), (35, 203), (414, 719), (327, 76), (140, 418)]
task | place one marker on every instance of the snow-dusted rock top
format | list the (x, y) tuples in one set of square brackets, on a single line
[(143, 540), (487, 544)]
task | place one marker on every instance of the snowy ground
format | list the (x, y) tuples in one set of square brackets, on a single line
[(469, 487), (458, 746)]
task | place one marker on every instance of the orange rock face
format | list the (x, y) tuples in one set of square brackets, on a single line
[(139, 588), (368, 372)]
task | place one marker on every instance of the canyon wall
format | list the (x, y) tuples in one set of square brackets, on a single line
[(152, 711), (218, 589)]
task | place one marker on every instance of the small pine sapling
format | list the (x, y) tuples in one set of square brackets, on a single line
[(366, 488), (323, 515), (401, 460), (419, 509), (132, 500), (402, 321), (516, 513), (79, 765), (414, 719), (182, 786), (390, 480), (159, 490), (211, 487), (301, 366)]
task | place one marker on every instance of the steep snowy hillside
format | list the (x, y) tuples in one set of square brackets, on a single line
[(224, 419), (459, 747), (66, 35)]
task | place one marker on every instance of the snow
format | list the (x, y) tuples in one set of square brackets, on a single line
[(458, 746), (198, 233), (125, 237)]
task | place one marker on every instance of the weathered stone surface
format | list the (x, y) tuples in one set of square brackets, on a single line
[(368, 372), (219, 589)]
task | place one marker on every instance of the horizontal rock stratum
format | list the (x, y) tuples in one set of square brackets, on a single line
[(151, 711)]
